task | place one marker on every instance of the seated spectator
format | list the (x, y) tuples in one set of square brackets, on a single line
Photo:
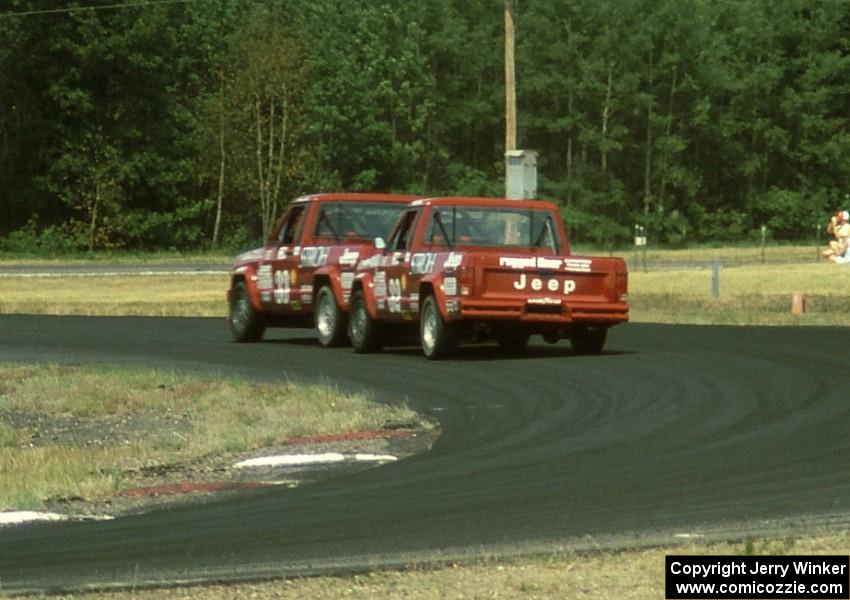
[(839, 227)]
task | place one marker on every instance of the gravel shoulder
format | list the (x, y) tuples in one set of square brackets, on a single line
[(210, 477)]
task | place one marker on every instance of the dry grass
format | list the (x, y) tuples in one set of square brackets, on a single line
[(637, 575), (116, 295), (222, 416), (749, 295)]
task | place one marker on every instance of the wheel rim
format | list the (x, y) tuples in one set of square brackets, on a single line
[(429, 328), (326, 317)]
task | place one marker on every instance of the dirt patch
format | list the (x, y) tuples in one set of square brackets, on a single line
[(209, 477)]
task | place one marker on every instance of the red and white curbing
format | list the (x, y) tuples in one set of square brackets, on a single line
[(300, 460), (21, 517)]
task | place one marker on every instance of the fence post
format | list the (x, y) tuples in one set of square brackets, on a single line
[(715, 278)]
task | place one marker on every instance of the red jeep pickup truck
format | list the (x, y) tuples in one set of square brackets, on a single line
[(302, 277), (485, 267)]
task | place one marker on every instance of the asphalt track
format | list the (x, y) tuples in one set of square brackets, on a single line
[(673, 430)]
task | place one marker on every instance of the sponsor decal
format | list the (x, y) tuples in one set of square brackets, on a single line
[(422, 262), (314, 256), (581, 265), (264, 277), (380, 284), (548, 263), (404, 282), (346, 280), (452, 306), (349, 258), (266, 296), (371, 263), (282, 252), (537, 284), (518, 262), (394, 296), (282, 287), (544, 301), (307, 298), (542, 262), (269, 254), (414, 305), (453, 260), (381, 304), (450, 286)]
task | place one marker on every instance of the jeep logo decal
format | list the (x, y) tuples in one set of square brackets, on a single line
[(538, 284)]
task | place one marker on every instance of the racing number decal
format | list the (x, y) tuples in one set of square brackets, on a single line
[(282, 287), (394, 295)]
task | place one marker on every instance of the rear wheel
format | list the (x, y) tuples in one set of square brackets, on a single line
[(330, 320), (589, 340), (246, 324), (438, 338), (363, 330)]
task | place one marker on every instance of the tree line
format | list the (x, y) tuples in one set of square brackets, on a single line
[(190, 124)]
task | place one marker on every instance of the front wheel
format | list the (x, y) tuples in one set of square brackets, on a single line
[(363, 330), (589, 340), (438, 338), (330, 320), (246, 324)]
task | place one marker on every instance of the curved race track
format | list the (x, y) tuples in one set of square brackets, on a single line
[(674, 429)]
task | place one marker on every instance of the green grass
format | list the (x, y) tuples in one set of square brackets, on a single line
[(224, 415)]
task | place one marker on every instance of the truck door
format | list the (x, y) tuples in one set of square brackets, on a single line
[(278, 272), (393, 286)]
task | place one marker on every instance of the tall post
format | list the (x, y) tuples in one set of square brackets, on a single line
[(510, 84)]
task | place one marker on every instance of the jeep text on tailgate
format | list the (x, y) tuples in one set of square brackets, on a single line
[(484, 267), (302, 277)]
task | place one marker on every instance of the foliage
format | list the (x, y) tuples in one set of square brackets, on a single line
[(138, 126)]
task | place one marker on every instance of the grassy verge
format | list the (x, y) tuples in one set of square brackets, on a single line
[(749, 295), (632, 574), (163, 418), (752, 293), (116, 295)]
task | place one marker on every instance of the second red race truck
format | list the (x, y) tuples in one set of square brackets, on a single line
[(302, 277), (472, 268)]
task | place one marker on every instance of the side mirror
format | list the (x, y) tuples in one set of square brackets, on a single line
[(379, 243)]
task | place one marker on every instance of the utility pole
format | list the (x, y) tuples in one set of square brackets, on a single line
[(510, 79), (520, 165)]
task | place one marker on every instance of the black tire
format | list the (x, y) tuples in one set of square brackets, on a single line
[(246, 324), (329, 319), (437, 337), (589, 340), (364, 331), (511, 337)]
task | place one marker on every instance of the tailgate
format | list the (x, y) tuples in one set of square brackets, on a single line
[(554, 278)]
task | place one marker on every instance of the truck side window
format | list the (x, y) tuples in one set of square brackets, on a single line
[(400, 239), (291, 227)]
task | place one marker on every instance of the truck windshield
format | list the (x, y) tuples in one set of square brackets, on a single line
[(356, 220), (499, 227)]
